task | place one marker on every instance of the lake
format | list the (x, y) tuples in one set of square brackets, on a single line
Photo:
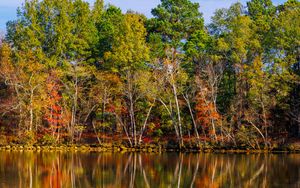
[(113, 170)]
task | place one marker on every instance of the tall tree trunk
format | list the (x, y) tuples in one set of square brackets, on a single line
[(178, 110), (145, 123), (265, 121), (214, 129), (173, 120), (31, 110), (131, 106), (125, 129), (96, 133), (132, 119), (298, 122), (192, 116), (74, 109)]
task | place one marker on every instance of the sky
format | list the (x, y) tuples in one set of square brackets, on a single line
[(207, 7)]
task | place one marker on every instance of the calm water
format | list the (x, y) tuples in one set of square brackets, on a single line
[(53, 170)]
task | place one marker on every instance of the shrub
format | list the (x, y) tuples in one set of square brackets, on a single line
[(48, 139), (27, 138), (247, 136), (3, 140)]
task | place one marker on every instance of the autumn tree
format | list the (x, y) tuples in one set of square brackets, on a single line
[(59, 34), (54, 114), (26, 76), (71, 69), (128, 59), (174, 21), (207, 68)]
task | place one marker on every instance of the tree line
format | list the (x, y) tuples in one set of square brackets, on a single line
[(72, 72)]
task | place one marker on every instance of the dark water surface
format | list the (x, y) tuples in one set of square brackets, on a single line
[(113, 170)]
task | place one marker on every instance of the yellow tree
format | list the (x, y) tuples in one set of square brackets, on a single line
[(27, 77)]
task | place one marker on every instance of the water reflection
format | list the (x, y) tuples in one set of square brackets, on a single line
[(55, 170)]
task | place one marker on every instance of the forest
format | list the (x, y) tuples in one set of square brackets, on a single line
[(78, 73)]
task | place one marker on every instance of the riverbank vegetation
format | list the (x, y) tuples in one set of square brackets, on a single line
[(71, 72)]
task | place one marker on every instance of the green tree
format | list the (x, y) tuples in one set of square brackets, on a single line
[(207, 71), (232, 27), (128, 58), (174, 21), (286, 57)]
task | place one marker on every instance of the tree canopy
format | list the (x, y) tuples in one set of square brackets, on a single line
[(69, 70)]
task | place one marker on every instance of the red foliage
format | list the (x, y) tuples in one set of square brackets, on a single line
[(206, 111), (54, 110), (147, 140)]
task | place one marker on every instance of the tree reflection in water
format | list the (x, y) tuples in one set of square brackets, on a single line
[(55, 170)]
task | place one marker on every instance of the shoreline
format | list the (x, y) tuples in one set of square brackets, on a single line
[(144, 149)]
